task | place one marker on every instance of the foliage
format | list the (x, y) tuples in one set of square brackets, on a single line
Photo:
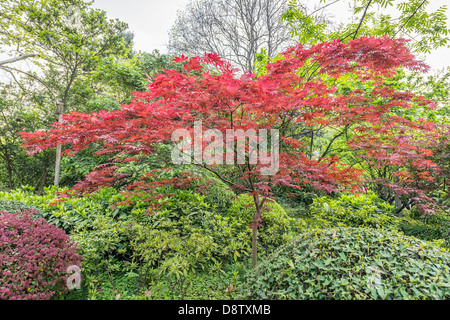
[(22, 110), (352, 263), (183, 219), (34, 257), (14, 206), (186, 235), (219, 196), (62, 50), (155, 62), (369, 211), (435, 87), (370, 18), (67, 213), (277, 227), (75, 168), (364, 210), (358, 160), (222, 101), (213, 284), (172, 244)]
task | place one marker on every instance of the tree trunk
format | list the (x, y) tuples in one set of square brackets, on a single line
[(58, 148), (254, 247), (256, 220), (57, 165), (10, 180), (41, 183), (19, 179), (6, 156)]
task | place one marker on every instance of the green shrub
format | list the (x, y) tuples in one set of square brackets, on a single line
[(69, 213), (187, 215), (425, 231), (297, 197), (181, 237), (188, 233), (352, 263), (14, 206), (364, 210), (219, 196), (277, 226), (368, 210)]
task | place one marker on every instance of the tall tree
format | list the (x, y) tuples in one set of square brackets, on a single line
[(66, 37), (23, 107), (235, 29)]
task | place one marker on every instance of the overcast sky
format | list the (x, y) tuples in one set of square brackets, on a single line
[(151, 20)]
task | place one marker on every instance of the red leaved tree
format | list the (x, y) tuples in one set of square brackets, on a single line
[(297, 96)]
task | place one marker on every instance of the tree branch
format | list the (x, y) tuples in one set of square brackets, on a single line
[(414, 13), (360, 24), (25, 56)]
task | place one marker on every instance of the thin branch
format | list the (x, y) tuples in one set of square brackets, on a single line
[(331, 142), (362, 19), (31, 76), (15, 79), (359, 26), (323, 7), (414, 13)]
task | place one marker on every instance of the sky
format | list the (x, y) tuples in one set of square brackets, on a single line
[(151, 20)]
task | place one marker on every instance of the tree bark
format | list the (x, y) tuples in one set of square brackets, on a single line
[(17, 59), (6, 156), (41, 183), (254, 247), (58, 148), (256, 219), (10, 173)]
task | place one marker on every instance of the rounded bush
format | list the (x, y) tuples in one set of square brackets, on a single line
[(349, 263), (368, 210), (276, 225), (364, 210), (218, 195), (34, 257)]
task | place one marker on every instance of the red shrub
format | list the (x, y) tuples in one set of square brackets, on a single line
[(34, 257)]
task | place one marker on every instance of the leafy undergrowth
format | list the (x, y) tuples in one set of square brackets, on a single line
[(221, 283), (197, 246), (353, 263)]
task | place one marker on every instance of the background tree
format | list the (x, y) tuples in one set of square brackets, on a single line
[(65, 40), (426, 30), (20, 109), (106, 88), (235, 29)]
